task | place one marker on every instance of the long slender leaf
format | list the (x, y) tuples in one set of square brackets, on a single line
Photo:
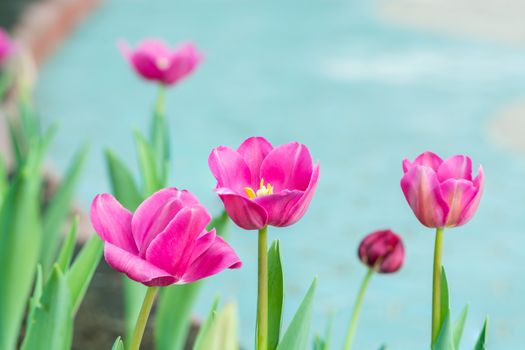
[(3, 180), (444, 302), (201, 340), (34, 302), (445, 340), (122, 182), (173, 315), (19, 247), (82, 270), (148, 167), (481, 343), (59, 208), (222, 333), (118, 344), (275, 295), (51, 327), (66, 252), (458, 327), (296, 336)]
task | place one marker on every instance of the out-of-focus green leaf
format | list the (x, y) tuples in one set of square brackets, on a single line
[(222, 334), (383, 347), (459, 325), (148, 167), (134, 293), (68, 246), (122, 182), (297, 335), (481, 343), (323, 343), (118, 344), (171, 328), (275, 294), (82, 270), (5, 82), (3, 180), (445, 339), (34, 302), (15, 138), (59, 208), (160, 137), (52, 323), (19, 247), (202, 337)]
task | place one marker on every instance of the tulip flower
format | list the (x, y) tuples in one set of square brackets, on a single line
[(6, 46), (441, 193), (261, 185), (164, 242), (383, 252), (154, 60)]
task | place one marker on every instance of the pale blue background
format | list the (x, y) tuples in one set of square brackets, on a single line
[(362, 95)]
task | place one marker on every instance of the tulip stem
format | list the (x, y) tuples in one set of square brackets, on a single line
[(436, 285), (357, 308), (142, 320), (160, 106), (262, 292)]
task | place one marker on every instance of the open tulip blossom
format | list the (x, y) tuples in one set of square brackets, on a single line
[(164, 242), (263, 185), (154, 60), (441, 193), (6, 46)]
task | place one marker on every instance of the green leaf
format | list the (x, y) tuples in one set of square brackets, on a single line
[(324, 343), (59, 208), (202, 337), (220, 223), (171, 328), (222, 333), (34, 302), (459, 325), (118, 344), (445, 305), (445, 340), (122, 182), (275, 295), (383, 347), (52, 323), (3, 180), (68, 246), (82, 270), (296, 336), (481, 344), (160, 138), (19, 247), (148, 167)]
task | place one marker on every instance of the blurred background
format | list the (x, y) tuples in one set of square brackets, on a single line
[(363, 84)]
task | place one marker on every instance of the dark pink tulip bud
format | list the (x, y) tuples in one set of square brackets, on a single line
[(383, 251)]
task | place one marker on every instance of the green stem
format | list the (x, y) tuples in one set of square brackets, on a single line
[(357, 308), (262, 292), (436, 285), (160, 106), (143, 318)]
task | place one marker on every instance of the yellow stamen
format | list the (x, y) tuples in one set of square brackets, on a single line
[(263, 190), (249, 191)]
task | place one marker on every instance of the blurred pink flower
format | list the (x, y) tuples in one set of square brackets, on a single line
[(164, 242), (442, 193), (6, 46), (154, 60), (382, 250), (261, 185)]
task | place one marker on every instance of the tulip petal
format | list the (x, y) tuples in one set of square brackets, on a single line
[(182, 62), (279, 206), (457, 193), (243, 211), (394, 260), (230, 169), (301, 206), (427, 159), (154, 214), (254, 150), (172, 249), (136, 268), (471, 207), (288, 166), (112, 222), (421, 188), (456, 167), (218, 257)]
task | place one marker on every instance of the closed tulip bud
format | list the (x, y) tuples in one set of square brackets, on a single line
[(383, 251)]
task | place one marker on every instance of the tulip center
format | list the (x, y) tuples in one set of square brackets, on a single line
[(162, 63), (263, 190)]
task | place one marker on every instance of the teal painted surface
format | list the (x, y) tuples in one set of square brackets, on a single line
[(362, 95)]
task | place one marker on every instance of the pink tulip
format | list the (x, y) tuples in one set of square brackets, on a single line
[(383, 251), (164, 242), (261, 185), (154, 60), (442, 193), (6, 46)]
